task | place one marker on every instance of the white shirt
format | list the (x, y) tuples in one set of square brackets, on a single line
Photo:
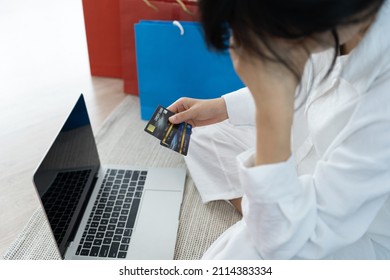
[(331, 198)]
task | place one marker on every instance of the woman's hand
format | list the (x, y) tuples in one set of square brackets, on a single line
[(198, 112), (273, 89)]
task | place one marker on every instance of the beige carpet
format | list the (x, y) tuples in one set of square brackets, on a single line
[(122, 140)]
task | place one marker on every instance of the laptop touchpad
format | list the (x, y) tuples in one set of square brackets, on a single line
[(166, 179), (148, 240)]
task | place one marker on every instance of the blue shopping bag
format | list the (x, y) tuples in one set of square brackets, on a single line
[(173, 61)]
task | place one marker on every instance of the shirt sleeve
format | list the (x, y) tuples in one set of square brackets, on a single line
[(314, 216), (240, 107)]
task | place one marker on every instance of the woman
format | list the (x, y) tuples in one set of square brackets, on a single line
[(307, 143)]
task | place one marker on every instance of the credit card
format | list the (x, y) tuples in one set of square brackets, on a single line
[(178, 137), (173, 136), (159, 123)]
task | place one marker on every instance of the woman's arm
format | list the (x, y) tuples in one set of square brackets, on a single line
[(236, 106)]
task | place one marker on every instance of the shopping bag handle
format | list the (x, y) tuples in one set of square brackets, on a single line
[(180, 2), (184, 7), (150, 5), (180, 26)]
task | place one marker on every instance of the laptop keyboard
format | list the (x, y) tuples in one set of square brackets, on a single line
[(110, 225), (61, 199)]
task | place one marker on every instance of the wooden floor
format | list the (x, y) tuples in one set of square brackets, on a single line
[(43, 69)]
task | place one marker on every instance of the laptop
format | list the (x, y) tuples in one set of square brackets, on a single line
[(106, 212)]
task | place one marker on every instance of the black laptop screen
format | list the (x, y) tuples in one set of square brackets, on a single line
[(65, 177)]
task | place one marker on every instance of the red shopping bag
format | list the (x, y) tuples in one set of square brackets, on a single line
[(102, 26), (131, 12)]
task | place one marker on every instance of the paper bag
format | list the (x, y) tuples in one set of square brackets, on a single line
[(131, 12), (173, 61)]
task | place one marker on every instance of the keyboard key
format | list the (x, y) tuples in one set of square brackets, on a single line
[(130, 194), (94, 251), (135, 176), (113, 250), (124, 247), (102, 228), (104, 251), (128, 174), (125, 240), (107, 241), (89, 238), (133, 213), (122, 255), (97, 242), (84, 252)]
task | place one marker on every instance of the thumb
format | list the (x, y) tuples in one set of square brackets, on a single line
[(180, 117)]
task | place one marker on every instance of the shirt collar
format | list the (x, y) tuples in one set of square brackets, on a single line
[(371, 57)]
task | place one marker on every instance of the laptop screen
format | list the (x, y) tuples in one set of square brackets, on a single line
[(65, 178)]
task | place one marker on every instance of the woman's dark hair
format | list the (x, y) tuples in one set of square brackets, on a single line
[(252, 20)]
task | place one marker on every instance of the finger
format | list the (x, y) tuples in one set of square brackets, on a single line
[(185, 116), (173, 107), (178, 106)]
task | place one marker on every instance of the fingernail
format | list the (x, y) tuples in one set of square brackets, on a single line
[(172, 119)]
